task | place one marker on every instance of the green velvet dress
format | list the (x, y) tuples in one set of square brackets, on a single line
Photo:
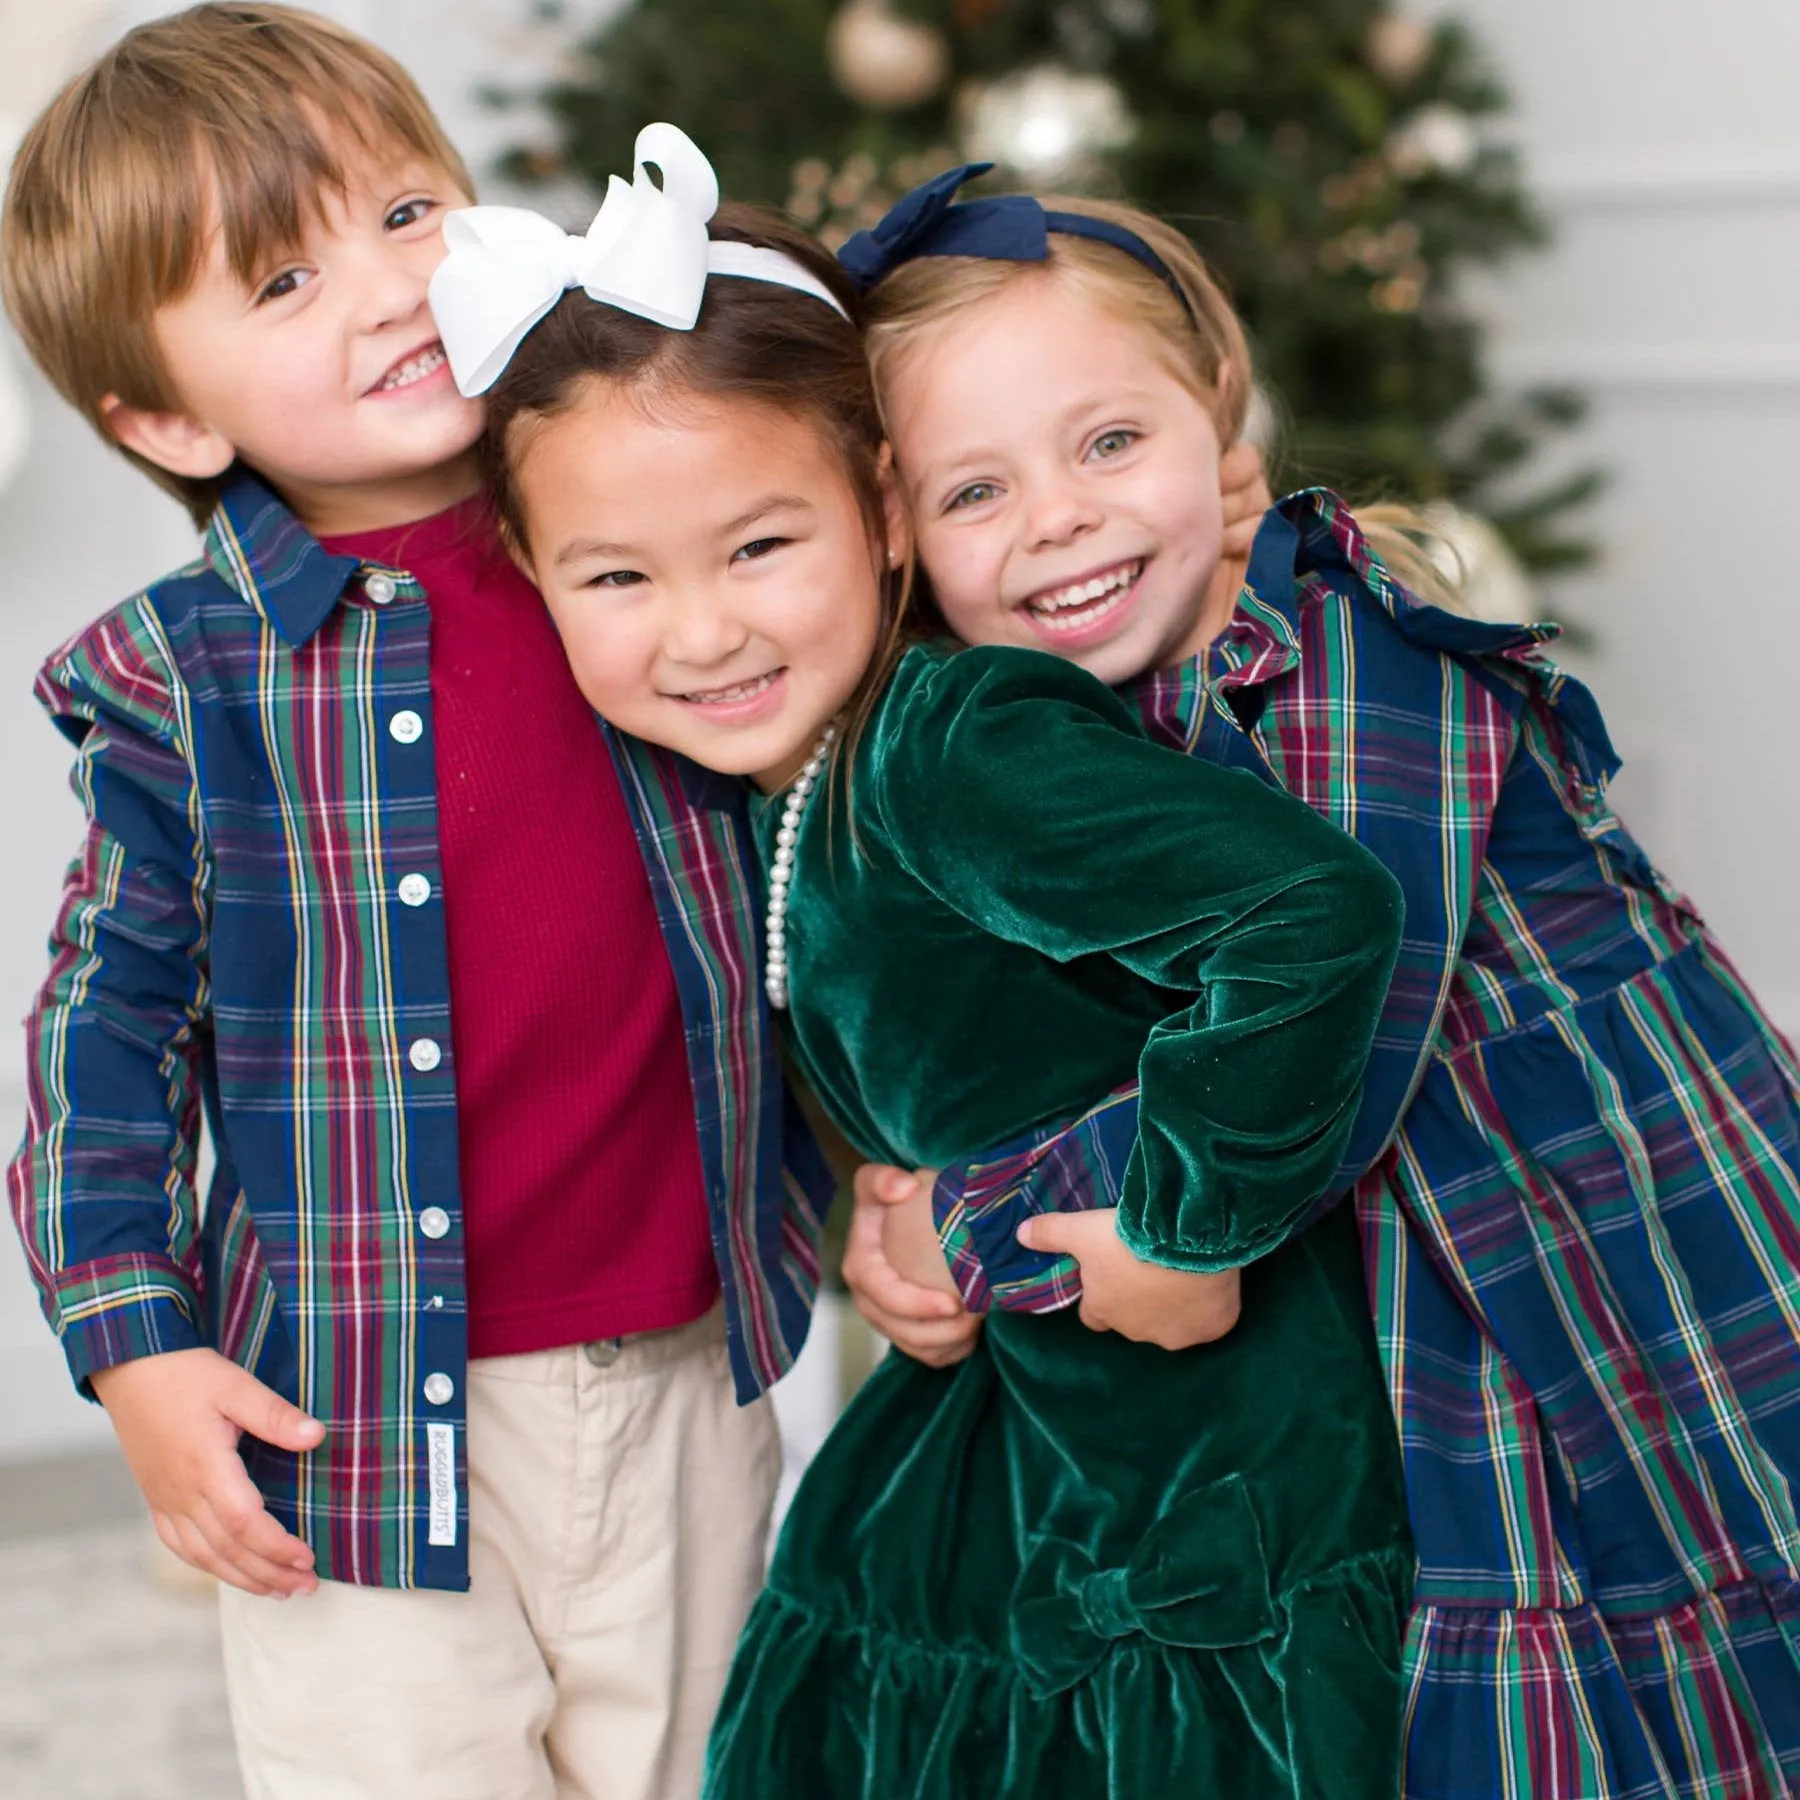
[(1076, 1566)]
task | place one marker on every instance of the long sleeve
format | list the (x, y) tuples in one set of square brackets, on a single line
[(1387, 718), (102, 1188), (1020, 793)]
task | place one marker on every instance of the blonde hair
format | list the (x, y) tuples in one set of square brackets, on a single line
[(1197, 330), (232, 115)]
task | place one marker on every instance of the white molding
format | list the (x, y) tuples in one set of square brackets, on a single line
[(1609, 184), (1684, 368)]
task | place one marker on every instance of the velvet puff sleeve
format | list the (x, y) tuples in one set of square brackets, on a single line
[(1022, 793)]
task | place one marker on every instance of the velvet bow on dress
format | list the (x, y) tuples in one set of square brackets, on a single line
[(1197, 1580)]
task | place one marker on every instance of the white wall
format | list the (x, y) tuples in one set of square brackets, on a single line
[(1665, 143)]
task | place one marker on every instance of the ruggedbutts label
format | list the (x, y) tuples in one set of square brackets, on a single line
[(440, 1457)]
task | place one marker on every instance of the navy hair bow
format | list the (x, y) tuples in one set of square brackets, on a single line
[(1004, 228)]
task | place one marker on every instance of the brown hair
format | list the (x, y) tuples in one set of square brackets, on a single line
[(1198, 330), (230, 112), (754, 341)]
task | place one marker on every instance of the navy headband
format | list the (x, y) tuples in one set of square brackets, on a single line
[(1007, 228)]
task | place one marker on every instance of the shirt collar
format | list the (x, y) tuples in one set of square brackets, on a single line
[(260, 550)]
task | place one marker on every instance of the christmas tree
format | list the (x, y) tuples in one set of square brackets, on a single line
[(1328, 156)]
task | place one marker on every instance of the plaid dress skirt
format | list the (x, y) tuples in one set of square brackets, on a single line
[(1583, 1233), (1585, 1253)]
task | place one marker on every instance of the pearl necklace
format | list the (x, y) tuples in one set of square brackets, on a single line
[(781, 874)]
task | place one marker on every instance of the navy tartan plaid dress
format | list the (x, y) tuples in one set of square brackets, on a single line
[(1576, 1176)]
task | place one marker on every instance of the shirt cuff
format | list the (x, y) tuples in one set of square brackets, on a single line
[(120, 1308), (980, 1205)]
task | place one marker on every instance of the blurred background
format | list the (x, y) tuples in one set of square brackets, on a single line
[(1533, 261)]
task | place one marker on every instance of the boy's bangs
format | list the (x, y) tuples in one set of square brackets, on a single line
[(270, 182), (232, 123)]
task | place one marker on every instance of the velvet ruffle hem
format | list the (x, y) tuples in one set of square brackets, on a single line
[(1079, 1567)]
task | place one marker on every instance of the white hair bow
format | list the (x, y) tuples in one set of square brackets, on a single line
[(646, 252)]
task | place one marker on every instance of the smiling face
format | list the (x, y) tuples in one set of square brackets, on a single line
[(1063, 483), (708, 567), (324, 372)]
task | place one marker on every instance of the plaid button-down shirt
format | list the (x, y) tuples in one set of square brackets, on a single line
[(1577, 1170), (254, 751)]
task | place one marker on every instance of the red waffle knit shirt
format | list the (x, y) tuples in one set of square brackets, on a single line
[(583, 1197)]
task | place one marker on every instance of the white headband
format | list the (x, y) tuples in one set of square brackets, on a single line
[(646, 252)]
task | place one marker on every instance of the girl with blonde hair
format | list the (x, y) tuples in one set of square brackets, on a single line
[(1575, 1164)]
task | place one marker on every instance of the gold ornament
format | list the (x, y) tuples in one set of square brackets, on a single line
[(883, 61), (1398, 48)]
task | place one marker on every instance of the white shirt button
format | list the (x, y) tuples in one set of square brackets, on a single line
[(406, 727), (438, 1388), (380, 588), (434, 1221), (424, 1055), (415, 890)]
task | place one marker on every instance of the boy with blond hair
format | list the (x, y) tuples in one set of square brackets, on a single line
[(508, 1207)]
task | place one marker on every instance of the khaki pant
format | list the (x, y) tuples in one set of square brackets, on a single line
[(619, 1503)]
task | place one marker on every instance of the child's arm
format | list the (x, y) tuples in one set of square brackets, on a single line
[(915, 1315), (1172, 1308), (899, 1276), (102, 1189), (1019, 791), (1409, 760)]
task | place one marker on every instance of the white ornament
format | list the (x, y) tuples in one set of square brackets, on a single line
[(1045, 124), (781, 870), (1472, 555), (1435, 140), (883, 61), (1398, 48)]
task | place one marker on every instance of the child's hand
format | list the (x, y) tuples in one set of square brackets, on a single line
[(1140, 1300), (924, 1317), (1244, 488), (179, 1416)]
